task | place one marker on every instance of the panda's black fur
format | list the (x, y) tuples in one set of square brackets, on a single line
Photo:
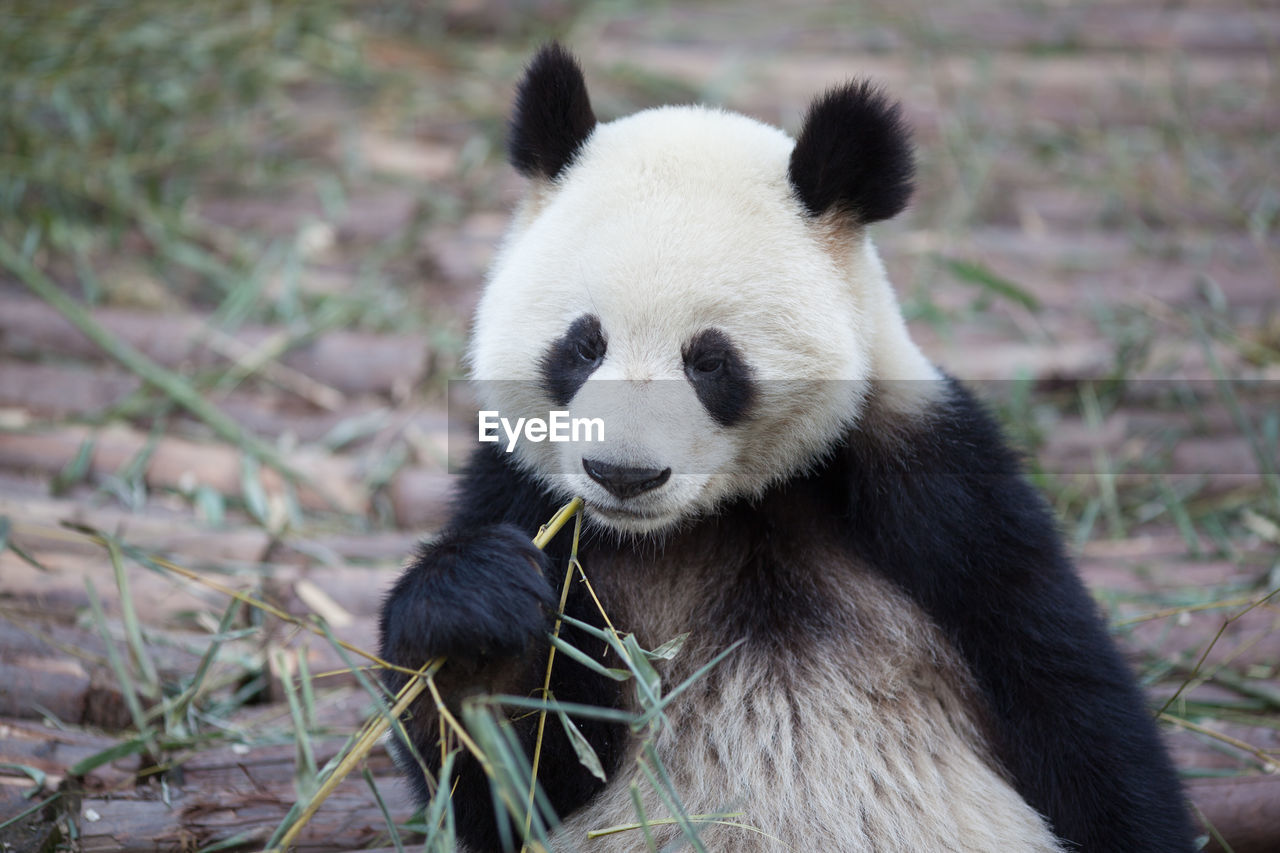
[(934, 503)]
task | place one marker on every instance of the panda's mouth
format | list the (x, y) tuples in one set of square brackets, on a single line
[(624, 513), (630, 520), (631, 497)]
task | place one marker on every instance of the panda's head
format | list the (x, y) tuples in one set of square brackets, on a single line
[(698, 282)]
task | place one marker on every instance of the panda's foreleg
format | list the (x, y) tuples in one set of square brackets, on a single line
[(483, 597), (479, 599)]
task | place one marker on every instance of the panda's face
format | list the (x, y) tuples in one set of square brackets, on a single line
[(697, 283), (671, 287)]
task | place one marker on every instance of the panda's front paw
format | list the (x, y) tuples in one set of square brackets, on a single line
[(469, 595)]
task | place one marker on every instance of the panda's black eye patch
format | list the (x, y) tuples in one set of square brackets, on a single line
[(720, 376), (572, 358)]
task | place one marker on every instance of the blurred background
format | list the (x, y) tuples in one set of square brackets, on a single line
[(240, 242)]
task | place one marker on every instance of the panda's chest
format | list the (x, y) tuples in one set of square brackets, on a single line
[(851, 728)]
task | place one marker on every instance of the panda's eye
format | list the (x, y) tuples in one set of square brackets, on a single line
[(589, 351), (708, 366)]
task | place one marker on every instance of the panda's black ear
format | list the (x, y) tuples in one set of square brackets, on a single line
[(853, 155), (553, 116)]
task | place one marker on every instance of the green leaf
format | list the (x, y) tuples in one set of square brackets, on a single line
[(656, 709), (639, 662), (651, 766), (5, 542), (590, 712), (75, 471), (669, 649), (382, 807), (975, 273), (210, 505), (240, 839), (255, 496), (124, 749), (586, 753), (439, 816), (129, 617), (305, 774), (30, 810), (588, 661), (38, 776)]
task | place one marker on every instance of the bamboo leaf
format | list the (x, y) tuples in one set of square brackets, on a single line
[(586, 753), (978, 274), (382, 807), (251, 488), (639, 661), (210, 505), (588, 661), (591, 712), (6, 541), (669, 649), (124, 749), (29, 810), (129, 616), (37, 775), (439, 816), (75, 471)]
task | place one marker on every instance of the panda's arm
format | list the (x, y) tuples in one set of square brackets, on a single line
[(951, 520), (483, 597)]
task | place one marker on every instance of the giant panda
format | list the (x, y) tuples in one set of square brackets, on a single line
[(919, 666)]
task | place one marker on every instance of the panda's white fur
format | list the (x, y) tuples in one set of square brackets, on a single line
[(656, 276)]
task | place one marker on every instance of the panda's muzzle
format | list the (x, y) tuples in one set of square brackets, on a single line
[(623, 482)]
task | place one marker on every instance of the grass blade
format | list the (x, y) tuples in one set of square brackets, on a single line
[(37, 775), (6, 541), (30, 810), (124, 749), (441, 834), (382, 807), (978, 274), (128, 687), (306, 772), (129, 615)]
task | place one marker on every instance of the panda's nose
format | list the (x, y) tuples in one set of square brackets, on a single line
[(625, 482)]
